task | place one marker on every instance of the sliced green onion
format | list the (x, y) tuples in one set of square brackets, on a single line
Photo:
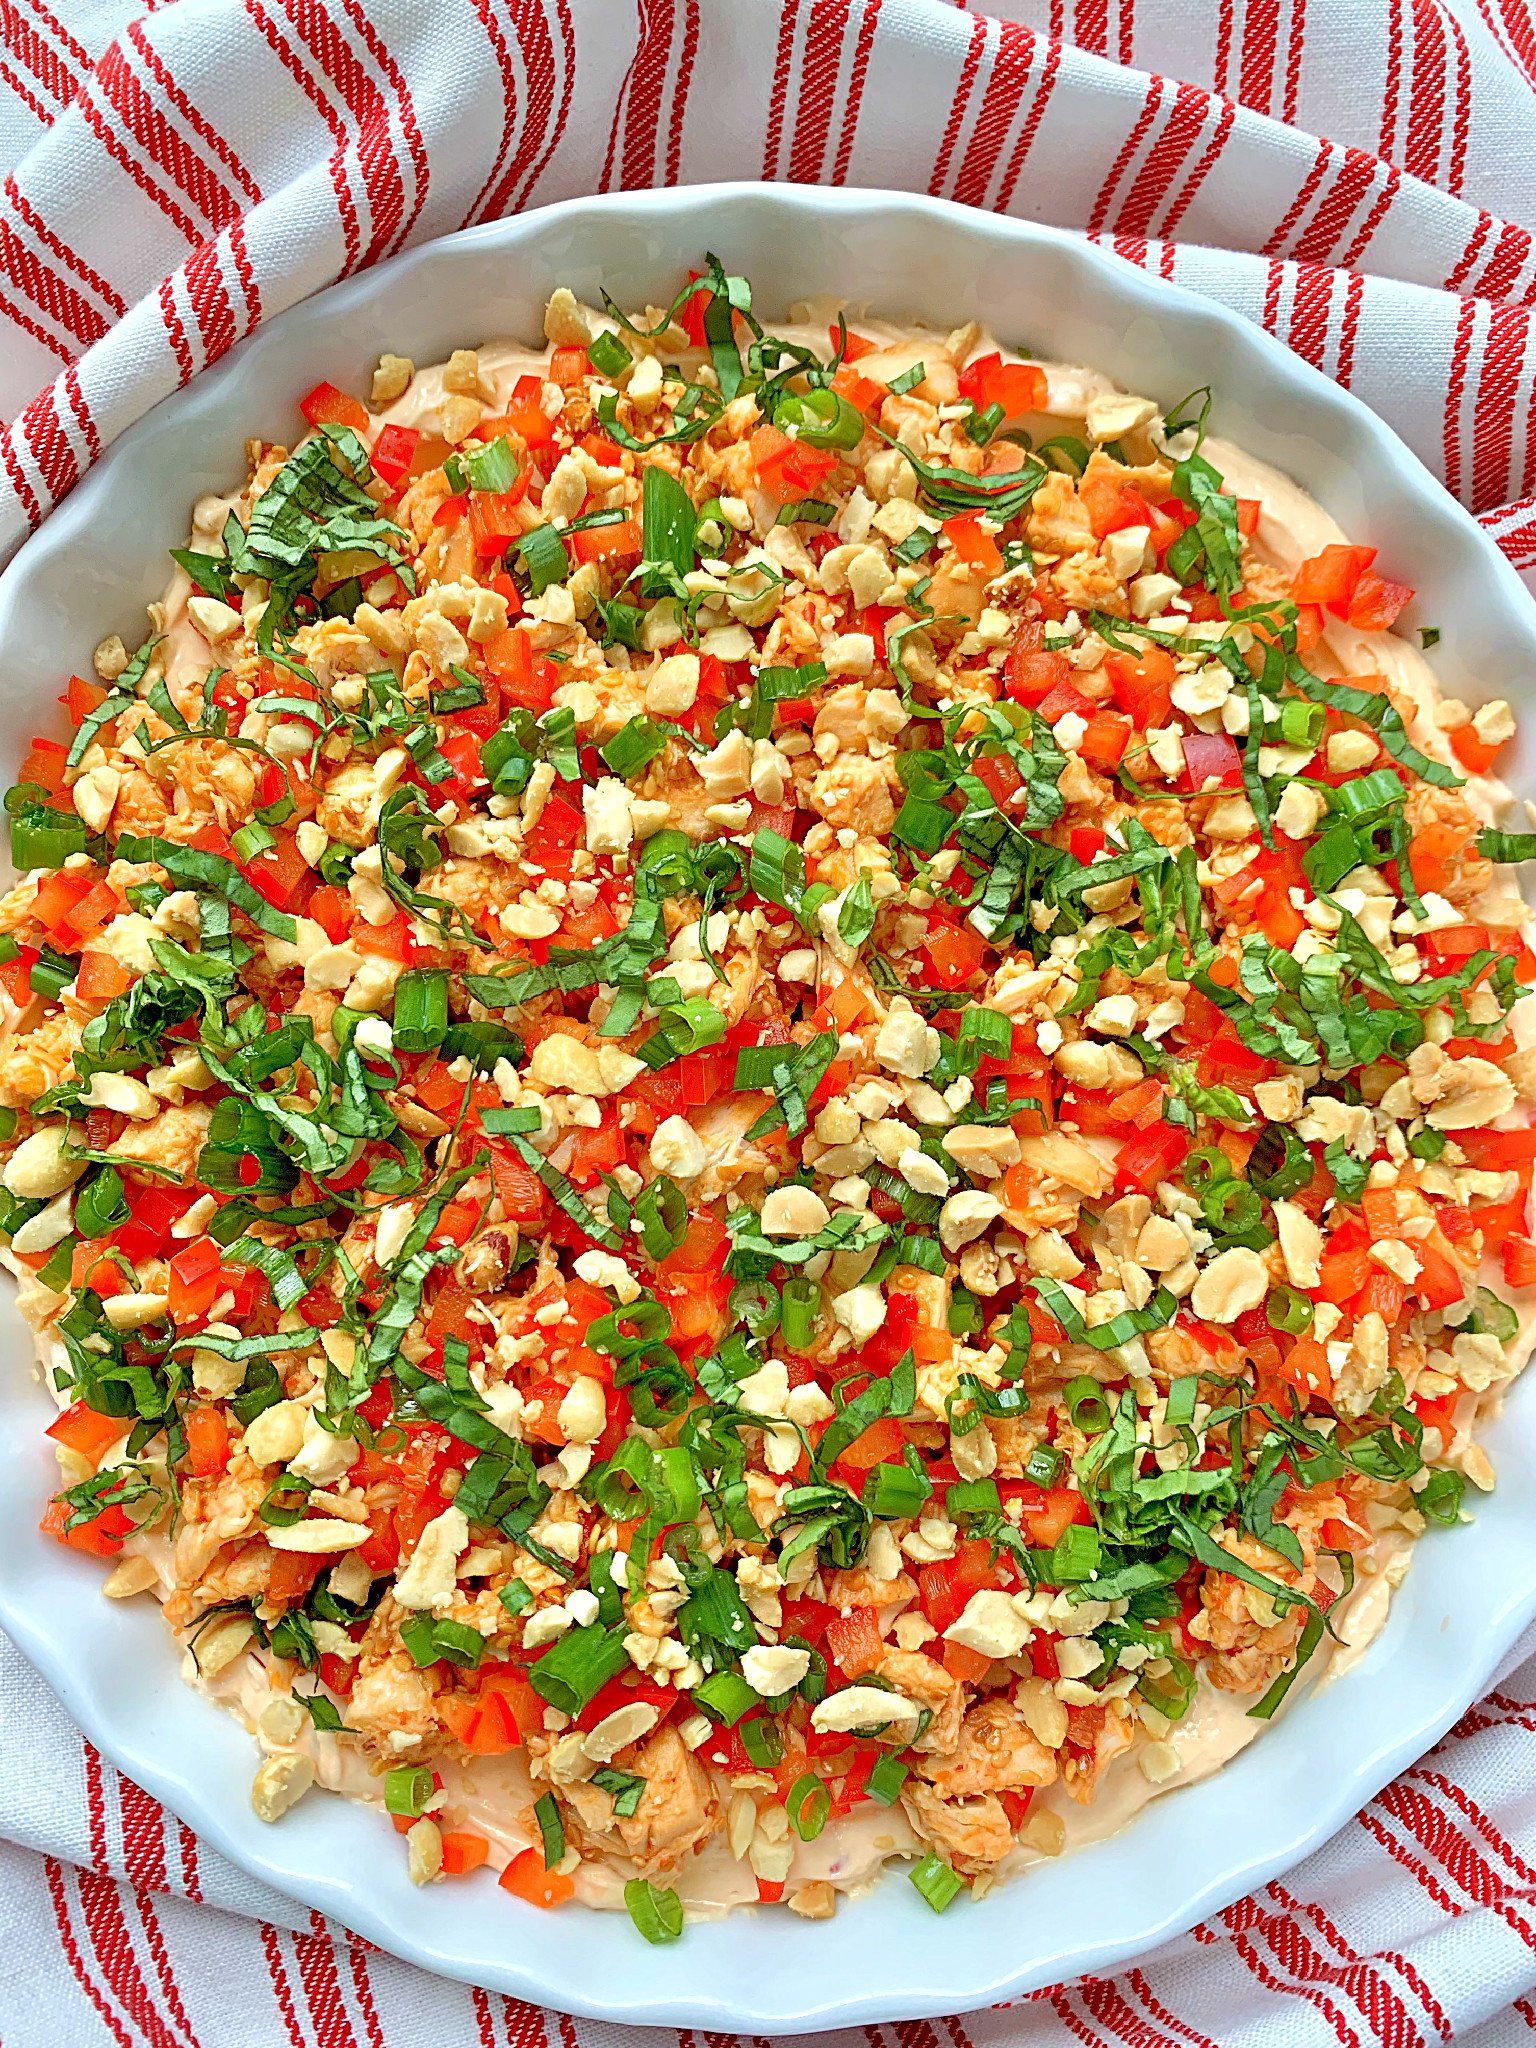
[(1205, 1167), (1439, 1498), (761, 1739), (1086, 1405), (421, 1009), (895, 1492), (1043, 1466), (1230, 1206), (964, 1312), (679, 1497), (516, 1597), (822, 418), (407, 1790), (1368, 795), (973, 1497), (1496, 1317), (692, 1025), (983, 1034), (1302, 724), (1288, 1310), (1280, 1163), (936, 1883), (542, 554), (726, 1697), (801, 1311), (755, 1303), (657, 1913), (577, 1666), (285, 1500), (808, 1804), (251, 840), (636, 742), (885, 1781), (551, 1827), (52, 972), (622, 1487), (457, 1644), (35, 844), (491, 465), (776, 870), (661, 1210), (608, 355), (1077, 1554)]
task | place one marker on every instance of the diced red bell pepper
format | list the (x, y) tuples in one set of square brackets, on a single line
[(1440, 1282), (102, 1536), (1105, 739), (1211, 757), (16, 975), (853, 1641), (1330, 578), (328, 406), (976, 547), (525, 415), (944, 1589), (861, 392), (82, 1429), (1476, 755), (279, 874), (463, 1851), (392, 941), (1376, 601), (1114, 507), (787, 466), (207, 1441), (1143, 685), (1033, 672), (527, 1879), (605, 543), (1150, 1157), (194, 1281), (523, 678), (569, 367), (1018, 388), (493, 518), (954, 952), (332, 908), (461, 750), (394, 452), (101, 978)]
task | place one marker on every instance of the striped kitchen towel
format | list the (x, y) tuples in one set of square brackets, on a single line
[(1355, 176)]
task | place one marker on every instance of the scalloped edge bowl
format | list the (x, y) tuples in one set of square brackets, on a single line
[(1193, 1850)]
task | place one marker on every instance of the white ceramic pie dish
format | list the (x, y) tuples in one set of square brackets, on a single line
[(90, 571)]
